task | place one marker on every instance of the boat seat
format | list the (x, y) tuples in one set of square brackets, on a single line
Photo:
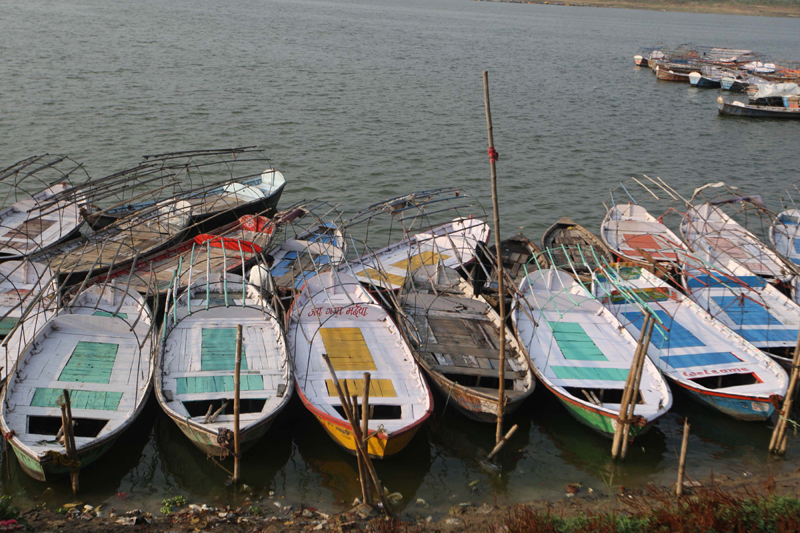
[(218, 350), (347, 349), (589, 373), (378, 388)]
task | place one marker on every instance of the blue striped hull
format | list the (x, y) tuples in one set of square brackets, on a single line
[(747, 410)]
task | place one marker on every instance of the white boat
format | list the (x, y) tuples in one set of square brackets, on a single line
[(334, 314), (635, 235), (21, 283), (744, 302), (196, 364), (98, 346), (582, 354), (454, 335), (783, 233), (695, 351), (452, 244), (707, 229), (36, 223)]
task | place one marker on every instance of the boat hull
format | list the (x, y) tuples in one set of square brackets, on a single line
[(206, 441), (668, 75), (750, 111), (379, 446), (738, 407), (266, 207), (601, 423), (49, 469)]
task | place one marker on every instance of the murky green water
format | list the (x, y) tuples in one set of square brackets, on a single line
[(360, 100)]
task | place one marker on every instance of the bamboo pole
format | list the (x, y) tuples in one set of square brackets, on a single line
[(493, 157), (626, 392), (682, 463), (237, 451), (503, 441), (69, 437), (635, 390), (362, 466), (779, 438), (360, 446), (365, 431)]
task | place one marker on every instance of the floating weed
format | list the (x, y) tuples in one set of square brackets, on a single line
[(169, 504)]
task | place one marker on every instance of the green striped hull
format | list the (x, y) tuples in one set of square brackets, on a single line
[(605, 425), (46, 469)]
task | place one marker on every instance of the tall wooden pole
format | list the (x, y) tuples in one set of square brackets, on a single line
[(493, 157), (365, 433), (682, 463), (778, 441), (237, 451), (622, 428), (634, 395)]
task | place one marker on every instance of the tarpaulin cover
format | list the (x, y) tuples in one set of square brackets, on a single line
[(778, 89)]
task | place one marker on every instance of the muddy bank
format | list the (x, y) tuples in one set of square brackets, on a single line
[(719, 502)]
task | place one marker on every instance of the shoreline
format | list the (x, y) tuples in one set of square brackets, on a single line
[(702, 8), (740, 502)]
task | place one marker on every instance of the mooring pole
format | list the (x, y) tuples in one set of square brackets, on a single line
[(682, 463), (69, 437), (493, 157), (365, 433), (777, 443), (237, 451), (622, 427), (634, 395)]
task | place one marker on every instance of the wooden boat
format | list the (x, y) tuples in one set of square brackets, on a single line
[(454, 335), (635, 235), (693, 350), (233, 248), (453, 244), (519, 254), (745, 303), (118, 244), (98, 348), (718, 239), (582, 354), (705, 81), (738, 109), (315, 250), (23, 311), (213, 182), (666, 73), (334, 314), (575, 249), (197, 361)]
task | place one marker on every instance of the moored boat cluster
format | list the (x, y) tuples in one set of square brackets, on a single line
[(181, 275), (771, 85)]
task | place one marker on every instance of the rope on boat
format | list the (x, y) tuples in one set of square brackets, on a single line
[(62, 459)]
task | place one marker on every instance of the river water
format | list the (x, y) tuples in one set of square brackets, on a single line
[(356, 101)]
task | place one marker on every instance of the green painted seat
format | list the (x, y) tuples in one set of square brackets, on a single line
[(208, 384), (574, 343), (590, 373), (90, 362), (7, 324), (79, 399), (106, 313), (218, 350)]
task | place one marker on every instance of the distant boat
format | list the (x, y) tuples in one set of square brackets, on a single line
[(666, 73), (635, 235), (455, 337), (97, 347), (197, 362), (335, 315), (571, 246), (718, 238), (738, 109), (691, 348), (582, 354)]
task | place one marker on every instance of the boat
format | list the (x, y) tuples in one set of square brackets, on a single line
[(98, 347), (205, 179), (454, 335), (582, 354), (36, 222), (718, 238), (739, 109), (791, 101), (27, 298), (670, 73), (572, 247), (118, 244), (334, 314), (752, 308), (772, 94), (635, 235), (783, 234), (194, 378), (233, 248), (692, 349), (518, 254), (453, 244), (704, 81)]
